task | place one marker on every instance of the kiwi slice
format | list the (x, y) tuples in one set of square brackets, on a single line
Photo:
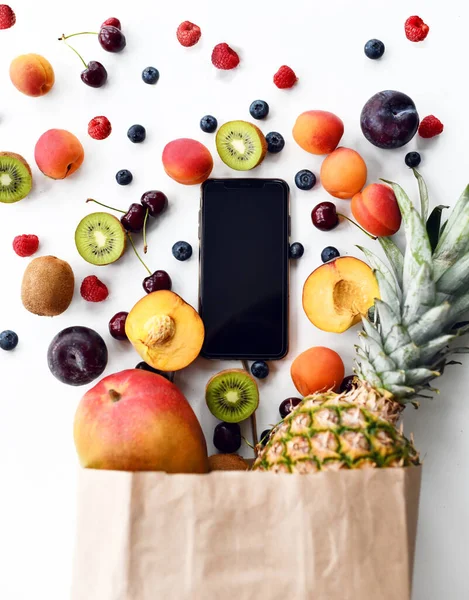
[(241, 145), (232, 395), (100, 238), (16, 180)]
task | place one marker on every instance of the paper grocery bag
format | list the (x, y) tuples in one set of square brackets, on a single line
[(347, 535)]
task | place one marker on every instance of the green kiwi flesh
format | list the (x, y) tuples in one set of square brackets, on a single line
[(232, 395), (100, 238), (241, 145), (15, 178)]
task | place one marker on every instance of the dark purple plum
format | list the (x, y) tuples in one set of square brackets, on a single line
[(111, 39), (77, 355), (227, 437), (389, 119)]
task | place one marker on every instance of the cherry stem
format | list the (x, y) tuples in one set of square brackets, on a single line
[(72, 48), (145, 246), (106, 206), (373, 237), (137, 254), (65, 37), (255, 439)]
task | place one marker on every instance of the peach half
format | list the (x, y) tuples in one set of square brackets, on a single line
[(376, 210), (32, 75), (338, 293), (318, 131), (166, 331)]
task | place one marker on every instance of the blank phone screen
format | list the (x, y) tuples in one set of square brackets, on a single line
[(244, 268)]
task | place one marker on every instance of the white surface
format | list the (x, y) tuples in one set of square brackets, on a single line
[(323, 42)]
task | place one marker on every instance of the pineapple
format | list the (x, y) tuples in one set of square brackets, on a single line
[(403, 346)]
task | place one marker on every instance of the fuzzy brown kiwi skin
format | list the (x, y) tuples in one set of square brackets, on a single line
[(227, 462), (48, 286)]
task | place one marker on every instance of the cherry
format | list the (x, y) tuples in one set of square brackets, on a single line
[(95, 75), (134, 218), (117, 326), (156, 202), (287, 406), (227, 437), (348, 384), (324, 216), (159, 280), (111, 39)]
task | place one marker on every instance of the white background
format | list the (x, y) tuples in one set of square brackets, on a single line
[(323, 42)]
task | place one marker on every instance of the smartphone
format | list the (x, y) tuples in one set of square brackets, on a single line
[(244, 230)]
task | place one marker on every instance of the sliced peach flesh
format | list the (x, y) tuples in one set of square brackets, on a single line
[(338, 293)]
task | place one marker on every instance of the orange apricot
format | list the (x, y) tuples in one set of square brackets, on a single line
[(318, 369), (32, 75), (318, 131), (343, 173), (376, 210)]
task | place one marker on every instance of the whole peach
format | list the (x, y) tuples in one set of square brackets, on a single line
[(318, 131), (138, 421), (187, 161), (58, 153), (343, 173), (376, 210), (32, 75)]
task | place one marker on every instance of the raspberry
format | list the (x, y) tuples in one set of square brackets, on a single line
[(188, 34), (430, 127), (7, 17), (93, 290), (224, 57), (415, 29), (25, 245), (99, 128), (113, 22), (285, 77)]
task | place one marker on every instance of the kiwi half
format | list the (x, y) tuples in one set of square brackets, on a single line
[(232, 395), (241, 145), (100, 238), (16, 180)]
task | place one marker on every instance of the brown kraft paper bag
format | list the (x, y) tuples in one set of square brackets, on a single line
[(347, 535)]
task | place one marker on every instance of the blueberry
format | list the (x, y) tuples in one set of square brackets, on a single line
[(374, 49), (260, 369), (208, 124), (137, 134), (182, 250), (305, 180), (329, 253), (124, 177), (296, 250), (150, 75), (412, 159), (8, 340), (275, 142), (259, 109)]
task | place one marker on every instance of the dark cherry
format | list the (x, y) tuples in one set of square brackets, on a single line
[(155, 201), (117, 326), (348, 384), (95, 75), (134, 218), (287, 406), (227, 437), (111, 39), (145, 367), (324, 216), (160, 280)]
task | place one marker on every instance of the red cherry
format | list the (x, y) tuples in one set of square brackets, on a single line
[(324, 216)]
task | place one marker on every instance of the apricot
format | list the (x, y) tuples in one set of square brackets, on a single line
[(166, 331), (58, 153), (318, 369), (32, 75), (376, 210), (318, 131), (338, 293), (187, 161), (138, 421), (343, 173)]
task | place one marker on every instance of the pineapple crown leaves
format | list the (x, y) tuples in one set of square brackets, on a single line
[(423, 294)]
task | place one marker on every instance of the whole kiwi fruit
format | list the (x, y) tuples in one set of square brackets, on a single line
[(227, 462), (47, 288)]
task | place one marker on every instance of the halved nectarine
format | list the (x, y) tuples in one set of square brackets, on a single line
[(166, 331), (338, 293)]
